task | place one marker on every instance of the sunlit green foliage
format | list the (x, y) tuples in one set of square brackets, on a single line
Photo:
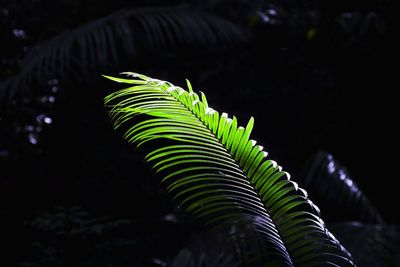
[(218, 174)]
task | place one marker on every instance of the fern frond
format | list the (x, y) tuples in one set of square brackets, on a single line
[(329, 182), (371, 245), (124, 34), (218, 174)]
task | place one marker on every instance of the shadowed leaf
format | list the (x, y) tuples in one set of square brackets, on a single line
[(334, 189), (108, 41)]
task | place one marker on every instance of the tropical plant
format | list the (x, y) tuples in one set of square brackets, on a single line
[(330, 183), (109, 40), (371, 245), (219, 175), (351, 216), (231, 247), (332, 186)]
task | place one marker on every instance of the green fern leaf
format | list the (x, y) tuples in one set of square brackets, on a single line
[(218, 174)]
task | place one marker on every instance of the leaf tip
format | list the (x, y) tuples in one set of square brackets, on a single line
[(107, 77), (189, 85), (115, 79)]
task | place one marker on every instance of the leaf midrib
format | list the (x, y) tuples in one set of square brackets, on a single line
[(238, 165)]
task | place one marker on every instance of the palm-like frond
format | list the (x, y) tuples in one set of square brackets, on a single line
[(221, 176), (186, 258), (126, 33), (331, 184), (371, 245), (238, 245)]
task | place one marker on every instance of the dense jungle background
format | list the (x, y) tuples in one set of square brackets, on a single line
[(318, 76)]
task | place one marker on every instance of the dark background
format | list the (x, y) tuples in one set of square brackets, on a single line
[(316, 75)]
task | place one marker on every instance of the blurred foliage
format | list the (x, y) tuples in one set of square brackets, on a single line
[(73, 237), (371, 244), (319, 67), (337, 192)]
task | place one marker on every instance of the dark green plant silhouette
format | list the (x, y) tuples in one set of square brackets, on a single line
[(352, 218), (332, 187), (108, 41), (218, 174)]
